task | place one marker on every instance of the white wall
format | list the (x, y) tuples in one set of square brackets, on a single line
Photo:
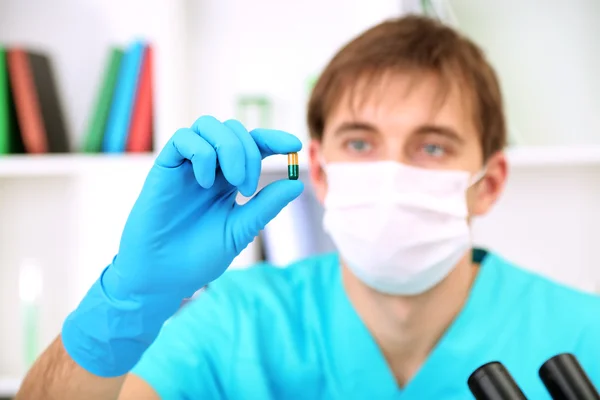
[(269, 47), (548, 58), (69, 226), (548, 220), (29, 232)]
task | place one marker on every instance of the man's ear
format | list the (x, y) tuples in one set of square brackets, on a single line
[(487, 192), (317, 175)]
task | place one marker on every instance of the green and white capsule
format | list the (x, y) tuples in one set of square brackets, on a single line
[(293, 169)]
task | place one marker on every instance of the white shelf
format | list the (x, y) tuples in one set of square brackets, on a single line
[(553, 156), (9, 387), (79, 164), (70, 164)]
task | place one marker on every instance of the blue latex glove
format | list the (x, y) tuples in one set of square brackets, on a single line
[(184, 230)]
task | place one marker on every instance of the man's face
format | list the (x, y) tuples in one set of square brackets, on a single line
[(404, 119)]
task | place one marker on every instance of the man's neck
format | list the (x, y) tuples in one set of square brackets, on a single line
[(408, 328)]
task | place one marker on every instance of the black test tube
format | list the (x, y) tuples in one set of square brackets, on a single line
[(492, 381), (566, 380)]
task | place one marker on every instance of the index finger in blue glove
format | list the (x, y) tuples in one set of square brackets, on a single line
[(187, 145), (230, 151), (272, 141), (253, 157)]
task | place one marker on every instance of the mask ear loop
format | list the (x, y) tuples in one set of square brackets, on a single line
[(322, 161), (478, 176), (475, 179)]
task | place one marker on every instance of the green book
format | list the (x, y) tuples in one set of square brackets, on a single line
[(10, 136), (4, 105), (97, 124)]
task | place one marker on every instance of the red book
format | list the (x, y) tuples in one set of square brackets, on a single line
[(141, 128), (27, 104)]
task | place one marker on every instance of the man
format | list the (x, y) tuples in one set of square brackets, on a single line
[(408, 131)]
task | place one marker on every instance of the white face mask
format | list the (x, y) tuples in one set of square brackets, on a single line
[(400, 229)]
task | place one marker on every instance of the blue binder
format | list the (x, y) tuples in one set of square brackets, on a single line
[(119, 118)]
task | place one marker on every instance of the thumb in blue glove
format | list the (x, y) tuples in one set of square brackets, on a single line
[(183, 232)]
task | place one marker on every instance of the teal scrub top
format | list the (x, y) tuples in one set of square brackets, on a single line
[(291, 333)]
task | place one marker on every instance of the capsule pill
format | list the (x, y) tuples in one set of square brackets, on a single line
[(293, 169)]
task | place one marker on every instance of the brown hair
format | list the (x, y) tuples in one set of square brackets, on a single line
[(419, 44)]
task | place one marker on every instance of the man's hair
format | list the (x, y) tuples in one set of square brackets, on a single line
[(414, 44)]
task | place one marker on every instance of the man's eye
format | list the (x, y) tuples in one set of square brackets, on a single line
[(359, 145), (434, 150)]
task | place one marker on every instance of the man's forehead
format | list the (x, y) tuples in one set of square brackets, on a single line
[(399, 94)]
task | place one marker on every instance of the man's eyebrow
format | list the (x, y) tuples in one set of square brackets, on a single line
[(354, 126), (440, 130)]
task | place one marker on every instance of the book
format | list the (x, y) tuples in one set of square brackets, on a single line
[(99, 117), (10, 136), (141, 131), (29, 114), (52, 115), (119, 119), (4, 106)]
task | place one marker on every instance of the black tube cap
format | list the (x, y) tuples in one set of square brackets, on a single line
[(492, 381), (565, 379)]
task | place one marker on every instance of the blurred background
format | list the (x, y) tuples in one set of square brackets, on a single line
[(89, 90)]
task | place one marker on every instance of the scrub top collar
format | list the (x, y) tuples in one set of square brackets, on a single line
[(361, 366)]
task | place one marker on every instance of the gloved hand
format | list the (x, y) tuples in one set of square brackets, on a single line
[(183, 232)]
